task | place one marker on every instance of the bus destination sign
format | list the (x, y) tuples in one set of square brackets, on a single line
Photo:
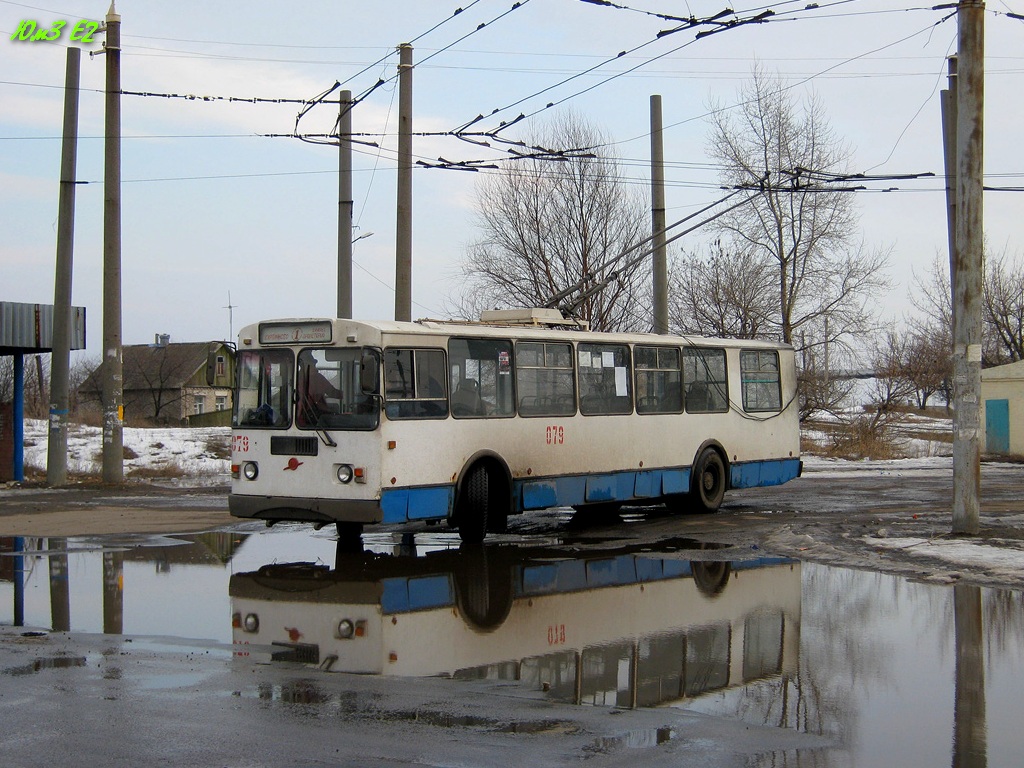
[(318, 332)]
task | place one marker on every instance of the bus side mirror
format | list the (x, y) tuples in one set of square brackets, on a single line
[(369, 372), (217, 363)]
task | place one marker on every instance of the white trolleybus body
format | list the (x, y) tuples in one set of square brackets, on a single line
[(349, 422)]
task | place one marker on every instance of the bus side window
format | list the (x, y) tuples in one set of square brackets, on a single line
[(480, 378), (544, 379), (414, 385), (604, 379), (659, 380), (759, 374), (704, 380)]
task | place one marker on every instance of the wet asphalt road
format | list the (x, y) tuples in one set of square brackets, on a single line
[(119, 700)]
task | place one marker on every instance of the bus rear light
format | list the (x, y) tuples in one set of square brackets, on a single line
[(251, 470)]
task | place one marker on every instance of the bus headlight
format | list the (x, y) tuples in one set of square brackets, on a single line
[(345, 473), (346, 629), (252, 622), (251, 470)]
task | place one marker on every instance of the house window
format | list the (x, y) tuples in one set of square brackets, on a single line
[(220, 368), (199, 404), (221, 403)]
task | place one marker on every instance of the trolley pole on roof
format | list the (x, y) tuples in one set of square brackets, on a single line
[(345, 206), (60, 361), (967, 276), (112, 381), (659, 259), (403, 233)]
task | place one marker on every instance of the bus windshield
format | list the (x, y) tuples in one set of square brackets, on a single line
[(330, 395), (264, 388)]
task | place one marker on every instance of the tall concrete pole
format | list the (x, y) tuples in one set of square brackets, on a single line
[(659, 258), (947, 100), (403, 233), (968, 268), (60, 359), (113, 384), (345, 205)]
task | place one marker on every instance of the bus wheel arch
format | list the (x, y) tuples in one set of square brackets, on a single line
[(709, 478), (483, 497)]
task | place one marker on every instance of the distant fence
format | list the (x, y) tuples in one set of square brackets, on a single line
[(211, 419)]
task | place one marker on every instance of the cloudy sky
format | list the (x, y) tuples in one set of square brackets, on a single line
[(213, 204)]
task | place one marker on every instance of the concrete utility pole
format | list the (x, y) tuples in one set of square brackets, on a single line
[(967, 277), (60, 359), (403, 233), (113, 383), (947, 101), (345, 205), (658, 255)]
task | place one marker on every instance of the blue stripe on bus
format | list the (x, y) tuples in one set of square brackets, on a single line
[(401, 594), (761, 473), (404, 594), (400, 505)]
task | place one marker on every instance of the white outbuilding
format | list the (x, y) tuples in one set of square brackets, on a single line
[(1002, 408)]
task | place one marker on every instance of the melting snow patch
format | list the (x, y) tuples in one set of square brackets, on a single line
[(961, 553)]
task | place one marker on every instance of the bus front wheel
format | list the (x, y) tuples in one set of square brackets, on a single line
[(473, 514), (708, 486)]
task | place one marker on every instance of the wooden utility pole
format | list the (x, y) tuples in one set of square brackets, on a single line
[(403, 233), (659, 259), (345, 205), (112, 381), (967, 276), (60, 359)]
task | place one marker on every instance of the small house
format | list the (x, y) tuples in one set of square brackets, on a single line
[(165, 383), (1002, 408)]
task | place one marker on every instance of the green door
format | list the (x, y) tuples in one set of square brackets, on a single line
[(997, 426)]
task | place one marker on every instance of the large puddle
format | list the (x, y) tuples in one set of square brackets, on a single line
[(890, 672)]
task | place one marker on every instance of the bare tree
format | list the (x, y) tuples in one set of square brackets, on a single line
[(1004, 309), (547, 224), (800, 228), (1003, 305), (722, 294)]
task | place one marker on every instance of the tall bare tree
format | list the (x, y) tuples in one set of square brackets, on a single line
[(799, 227), (547, 224), (722, 294), (1002, 301)]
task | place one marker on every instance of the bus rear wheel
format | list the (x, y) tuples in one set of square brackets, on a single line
[(473, 512), (707, 488)]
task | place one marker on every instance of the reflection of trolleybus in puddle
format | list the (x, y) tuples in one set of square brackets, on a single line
[(615, 627)]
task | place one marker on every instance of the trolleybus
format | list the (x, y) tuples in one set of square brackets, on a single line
[(348, 422)]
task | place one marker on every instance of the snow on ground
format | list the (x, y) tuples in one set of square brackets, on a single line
[(201, 454), (963, 554)]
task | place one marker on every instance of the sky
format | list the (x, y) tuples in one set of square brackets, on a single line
[(225, 224)]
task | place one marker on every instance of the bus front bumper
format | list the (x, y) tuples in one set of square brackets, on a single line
[(306, 510)]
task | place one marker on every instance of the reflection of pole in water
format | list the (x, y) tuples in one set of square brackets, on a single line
[(19, 582), (969, 746), (113, 593), (60, 593)]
